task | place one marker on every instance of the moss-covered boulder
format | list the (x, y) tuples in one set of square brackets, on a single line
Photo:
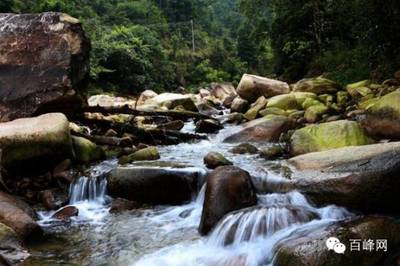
[(317, 85), (86, 151), (383, 116), (302, 96), (327, 136), (251, 87), (35, 144), (284, 101), (272, 111), (146, 154), (252, 113), (342, 97), (315, 112), (359, 89)]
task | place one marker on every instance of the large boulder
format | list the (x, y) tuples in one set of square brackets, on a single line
[(105, 100), (383, 117), (251, 87), (265, 129), (285, 102), (18, 216), (155, 185), (309, 246), (172, 100), (222, 91), (327, 136), (37, 143), (363, 178), (208, 126), (145, 96), (229, 188), (239, 105), (11, 251), (317, 85), (44, 64)]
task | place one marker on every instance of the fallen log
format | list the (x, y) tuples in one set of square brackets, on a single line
[(153, 136), (103, 140), (183, 115)]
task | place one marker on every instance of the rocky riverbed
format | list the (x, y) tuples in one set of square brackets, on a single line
[(258, 174)]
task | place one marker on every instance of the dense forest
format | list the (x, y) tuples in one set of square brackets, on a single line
[(149, 44)]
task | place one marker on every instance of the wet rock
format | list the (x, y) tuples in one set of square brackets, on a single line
[(252, 113), (239, 105), (234, 118), (272, 153), (284, 102), (327, 136), (309, 247), (205, 108), (66, 213), (208, 126), (265, 129), (119, 205), (173, 100), (362, 178), (86, 151), (37, 143), (250, 222), (146, 154), (229, 188), (155, 185), (18, 216), (317, 85), (214, 159), (11, 250), (45, 72), (111, 133), (244, 148), (173, 125), (53, 199), (227, 103), (251, 87), (383, 117), (146, 95), (222, 91)]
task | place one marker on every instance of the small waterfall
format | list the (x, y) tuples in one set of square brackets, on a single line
[(252, 223), (88, 188)]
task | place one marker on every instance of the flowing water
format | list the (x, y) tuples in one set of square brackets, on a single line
[(167, 235)]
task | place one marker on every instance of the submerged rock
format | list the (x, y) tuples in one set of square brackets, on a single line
[(327, 136), (363, 178), (18, 216), (310, 247), (214, 159), (229, 188), (383, 116), (37, 143), (11, 250), (265, 129), (44, 62), (251, 87), (155, 185)]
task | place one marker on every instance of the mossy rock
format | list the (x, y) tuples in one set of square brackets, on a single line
[(272, 111), (302, 96), (86, 151), (342, 97), (327, 136), (284, 101), (252, 113), (390, 101), (317, 85), (315, 112), (326, 98), (36, 143), (358, 89), (310, 102), (146, 154)]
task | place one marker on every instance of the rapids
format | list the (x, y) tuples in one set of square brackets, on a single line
[(167, 235)]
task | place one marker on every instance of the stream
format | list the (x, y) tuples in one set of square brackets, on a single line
[(167, 235)]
